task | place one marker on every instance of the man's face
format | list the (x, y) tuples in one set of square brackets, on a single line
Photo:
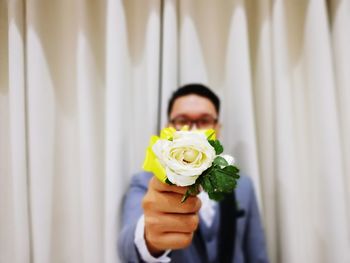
[(196, 111)]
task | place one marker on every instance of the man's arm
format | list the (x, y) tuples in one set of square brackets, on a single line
[(169, 224), (131, 212)]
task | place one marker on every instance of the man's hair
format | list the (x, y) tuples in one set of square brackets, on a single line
[(196, 89)]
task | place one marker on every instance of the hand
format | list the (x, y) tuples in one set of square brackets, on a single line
[(169, 224)]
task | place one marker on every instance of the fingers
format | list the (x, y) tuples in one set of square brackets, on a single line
[(169, 224), (172, 223), (170, 202), (163, 187), (170, 240)]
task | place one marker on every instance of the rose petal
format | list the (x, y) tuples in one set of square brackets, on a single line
[(180, 180)]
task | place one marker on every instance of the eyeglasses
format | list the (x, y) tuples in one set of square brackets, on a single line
[(202, 123)]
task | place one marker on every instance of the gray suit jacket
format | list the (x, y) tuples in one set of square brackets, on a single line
[(249, 243)]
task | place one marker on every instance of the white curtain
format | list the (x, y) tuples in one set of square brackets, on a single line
[(72, 73), (83, 84)]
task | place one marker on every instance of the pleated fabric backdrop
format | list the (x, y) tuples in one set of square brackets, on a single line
[(83, 84)]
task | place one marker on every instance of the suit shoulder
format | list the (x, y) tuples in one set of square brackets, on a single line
[(245, 183), (245, 190), (141, 179)]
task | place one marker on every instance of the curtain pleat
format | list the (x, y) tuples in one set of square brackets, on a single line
[(14, 212), (340, 16), (132, 78), (91, 92)]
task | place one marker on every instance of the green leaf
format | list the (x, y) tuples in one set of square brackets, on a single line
[(217, 146), (185, 196), (220, 161), (217, 181), (222, 182), (206, 184), (168, 182), (192, 190), (231, 169), (206, 172), (216, 196)]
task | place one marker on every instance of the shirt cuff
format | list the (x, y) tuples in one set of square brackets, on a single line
[(140, 243)]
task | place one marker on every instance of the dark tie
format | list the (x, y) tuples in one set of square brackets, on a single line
[(227, 232)]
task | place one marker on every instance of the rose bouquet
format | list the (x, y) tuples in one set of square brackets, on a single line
[(193, 159)]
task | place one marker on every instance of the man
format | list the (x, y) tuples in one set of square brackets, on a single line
[(156, 227)]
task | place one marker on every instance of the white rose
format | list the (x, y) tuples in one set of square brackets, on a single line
[(186, 157)]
